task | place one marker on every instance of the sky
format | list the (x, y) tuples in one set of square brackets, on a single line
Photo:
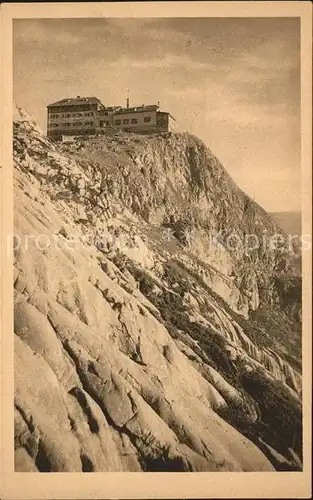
[(233, 82)]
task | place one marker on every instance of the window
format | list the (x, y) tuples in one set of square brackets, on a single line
[(134, 120), (117, 122), (147, 119), (126, 120)]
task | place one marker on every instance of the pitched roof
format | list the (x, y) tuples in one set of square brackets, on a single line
[(112, 108), (138, 109), (75, 101), (167, 113)]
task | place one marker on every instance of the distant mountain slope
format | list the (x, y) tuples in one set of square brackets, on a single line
[(142, 345), (288, 221)]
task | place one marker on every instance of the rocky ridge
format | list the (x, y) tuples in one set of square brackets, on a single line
[(136, 338)]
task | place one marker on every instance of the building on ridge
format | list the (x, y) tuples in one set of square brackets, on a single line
[(73, 116), (144, 119), (82, 116)]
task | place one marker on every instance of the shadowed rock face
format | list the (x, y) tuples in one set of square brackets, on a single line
[(139, 346)]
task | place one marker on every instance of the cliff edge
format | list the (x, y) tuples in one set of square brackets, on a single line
[(144, 341)]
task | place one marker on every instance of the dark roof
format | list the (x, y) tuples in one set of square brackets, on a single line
[(167, 113), (112, 108), (75, 101), (138, 109)]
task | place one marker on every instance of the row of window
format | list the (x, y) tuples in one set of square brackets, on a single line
[(78, 124), (68, 115), (126, 121), (73, 108), (133, 121), (75, 124)]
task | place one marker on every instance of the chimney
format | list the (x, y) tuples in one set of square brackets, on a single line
[(78, 97), (158, 104), (127, 100)]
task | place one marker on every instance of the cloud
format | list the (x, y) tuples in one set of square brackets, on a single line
[(171, 61), (233, 82), (35, 32)]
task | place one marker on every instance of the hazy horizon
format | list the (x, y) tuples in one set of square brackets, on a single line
[(233, 82)]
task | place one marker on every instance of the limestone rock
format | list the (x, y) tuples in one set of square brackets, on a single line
[(134, 355)]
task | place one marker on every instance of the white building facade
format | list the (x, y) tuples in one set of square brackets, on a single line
[(88, 116)]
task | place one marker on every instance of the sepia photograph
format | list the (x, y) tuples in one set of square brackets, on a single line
[(157, 244)]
